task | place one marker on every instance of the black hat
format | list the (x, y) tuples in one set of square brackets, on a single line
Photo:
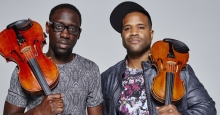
[(122, 10)]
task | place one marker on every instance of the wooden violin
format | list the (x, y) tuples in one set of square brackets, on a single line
[(22, 42), (169, 56)]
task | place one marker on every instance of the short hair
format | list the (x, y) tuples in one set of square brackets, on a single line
[(67, 6)]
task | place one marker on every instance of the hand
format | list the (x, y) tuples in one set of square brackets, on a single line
[(168, 110), (51, 105)]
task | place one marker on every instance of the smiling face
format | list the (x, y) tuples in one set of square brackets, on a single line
[(136, 33), (62, 43)]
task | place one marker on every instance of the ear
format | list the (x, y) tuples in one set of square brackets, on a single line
[(47, 27), (80, 32), (152, 34)]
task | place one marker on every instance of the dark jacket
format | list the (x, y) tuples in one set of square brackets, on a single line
[(196, 100)]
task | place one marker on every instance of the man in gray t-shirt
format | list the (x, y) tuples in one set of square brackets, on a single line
[(79, 86), (79, 83)]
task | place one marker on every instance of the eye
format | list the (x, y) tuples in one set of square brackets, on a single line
[(141, 27), (127, 28), (72, 29), (58, 26)]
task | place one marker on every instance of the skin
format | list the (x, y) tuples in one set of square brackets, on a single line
[(168, 110), (60, 50), (137, 36)]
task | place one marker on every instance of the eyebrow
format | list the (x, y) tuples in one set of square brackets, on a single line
[(135, 25), (75, 25)]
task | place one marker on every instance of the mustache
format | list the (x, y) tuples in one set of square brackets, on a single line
[(66, 42), (134, 38)]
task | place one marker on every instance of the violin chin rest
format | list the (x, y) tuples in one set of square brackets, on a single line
[(177, 45), (22, 25)]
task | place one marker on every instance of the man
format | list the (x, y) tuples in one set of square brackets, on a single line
[(79, 84), (126, 86)]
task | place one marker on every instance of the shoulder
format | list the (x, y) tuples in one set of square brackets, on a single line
[(86, 65), (187, 69), (113, 69), (85, 61), (188, 73)]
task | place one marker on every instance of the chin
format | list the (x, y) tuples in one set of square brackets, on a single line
[(62, 52)]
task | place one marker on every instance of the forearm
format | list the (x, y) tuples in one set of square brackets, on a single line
[(30, 112), (205, 108), (199, 101), (97, 110), (10, 109)]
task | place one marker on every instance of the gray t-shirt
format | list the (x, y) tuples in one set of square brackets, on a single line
[(79, 81)]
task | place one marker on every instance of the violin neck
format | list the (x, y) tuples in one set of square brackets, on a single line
[(39, 75), (169, 88)]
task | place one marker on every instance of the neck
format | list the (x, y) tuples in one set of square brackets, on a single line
[(61, 59), (134, 61)]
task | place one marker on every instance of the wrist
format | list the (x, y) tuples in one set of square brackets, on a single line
[(36, 111)]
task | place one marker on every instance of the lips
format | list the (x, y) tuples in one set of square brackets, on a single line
[(63, 44), (134, 41)]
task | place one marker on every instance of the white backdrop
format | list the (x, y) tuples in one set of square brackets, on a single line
[(196, 23)]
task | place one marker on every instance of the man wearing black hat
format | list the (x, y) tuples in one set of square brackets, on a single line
[(126, 86)]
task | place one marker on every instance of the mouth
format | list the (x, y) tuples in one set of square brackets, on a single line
[(63, 44), (134, 41)]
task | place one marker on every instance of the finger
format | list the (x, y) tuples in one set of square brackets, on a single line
[(157, 108), (163, 108), (58, 110), (56, 101), (173, 106), (55, 96), (170, 111), (58, 107), (62, 95)]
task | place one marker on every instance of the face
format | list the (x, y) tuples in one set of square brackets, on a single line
[(62, 43), (136, 33)]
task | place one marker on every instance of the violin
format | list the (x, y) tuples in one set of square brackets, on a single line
[(22, 42), (169, 56)]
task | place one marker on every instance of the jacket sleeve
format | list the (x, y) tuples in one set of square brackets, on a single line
[(105, 104), (198, 100)]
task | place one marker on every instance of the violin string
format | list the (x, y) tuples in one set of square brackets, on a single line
[(28, 54), (31, 53)]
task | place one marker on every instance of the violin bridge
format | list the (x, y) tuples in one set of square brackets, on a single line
[(26, 49), (172, 66)]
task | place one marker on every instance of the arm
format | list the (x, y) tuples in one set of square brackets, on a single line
[(10, 109), (51, 105), (198, 100), (105, 95), (168, 110), (94, 97), (98, 110), (18, 99)]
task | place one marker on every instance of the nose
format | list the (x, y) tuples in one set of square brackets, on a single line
[(134, 32), (65, 34)]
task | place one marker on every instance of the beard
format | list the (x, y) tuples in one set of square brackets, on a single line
[(61, 52), (137, 50)]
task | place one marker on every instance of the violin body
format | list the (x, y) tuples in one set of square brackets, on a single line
[(22, 43), (167, 86)]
